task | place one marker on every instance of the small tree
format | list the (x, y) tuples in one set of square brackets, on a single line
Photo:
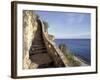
[(62, 47), (46, 26)]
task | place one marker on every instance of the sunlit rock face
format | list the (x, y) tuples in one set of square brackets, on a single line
[(29, 29), (51, 37)]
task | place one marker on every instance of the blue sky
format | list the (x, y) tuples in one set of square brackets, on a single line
[(67, 25)]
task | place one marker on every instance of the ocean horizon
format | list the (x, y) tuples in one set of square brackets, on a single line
[(79, 47)]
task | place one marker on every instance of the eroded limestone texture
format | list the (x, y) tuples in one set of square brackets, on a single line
[(29, 29)]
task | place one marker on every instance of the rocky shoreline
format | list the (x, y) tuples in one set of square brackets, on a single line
[(83, 63)]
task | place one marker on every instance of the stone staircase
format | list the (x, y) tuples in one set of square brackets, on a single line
[(38, 52)]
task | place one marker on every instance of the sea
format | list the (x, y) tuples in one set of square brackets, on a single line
[(79, 47)]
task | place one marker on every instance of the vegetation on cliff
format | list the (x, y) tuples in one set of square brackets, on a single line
[(69, 55)]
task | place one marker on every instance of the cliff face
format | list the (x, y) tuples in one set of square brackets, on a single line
[(29, 29), (32, 34)]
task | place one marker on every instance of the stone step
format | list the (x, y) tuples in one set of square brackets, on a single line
[(37, 42), (38, 48), (37, 52)]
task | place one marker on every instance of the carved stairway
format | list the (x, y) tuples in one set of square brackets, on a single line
[(38, 52)]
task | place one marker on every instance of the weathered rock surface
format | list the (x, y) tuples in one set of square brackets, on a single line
[(29, 29)]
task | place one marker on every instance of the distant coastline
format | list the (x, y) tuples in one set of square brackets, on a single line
[(83, 59), (83, 63)]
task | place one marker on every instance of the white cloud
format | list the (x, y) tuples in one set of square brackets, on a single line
[(77, 18), (70, 35)]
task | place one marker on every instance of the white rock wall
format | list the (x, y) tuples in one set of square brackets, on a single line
[(29, 29)]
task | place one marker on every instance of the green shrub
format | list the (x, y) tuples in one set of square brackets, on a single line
[(72, 61), (76, 63)]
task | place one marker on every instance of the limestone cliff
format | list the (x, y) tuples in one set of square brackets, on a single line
[(29, 29)]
